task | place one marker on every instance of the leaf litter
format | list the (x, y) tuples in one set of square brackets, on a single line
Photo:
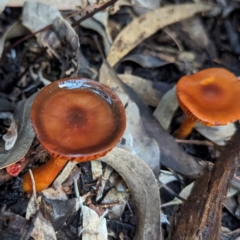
[(162, 50)]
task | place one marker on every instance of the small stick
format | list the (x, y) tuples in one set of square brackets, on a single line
[(108, 205), (33, 184), (196, 142)]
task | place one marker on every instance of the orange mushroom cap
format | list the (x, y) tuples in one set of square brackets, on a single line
[(211, 96), (78, 119)]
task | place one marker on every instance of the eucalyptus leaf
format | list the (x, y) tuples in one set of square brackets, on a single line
[(25, 134), (166, 108), (187, 190), (144, 191), (167, 177)]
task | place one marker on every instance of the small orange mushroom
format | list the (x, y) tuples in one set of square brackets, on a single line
[(211, 96), (74, 119)]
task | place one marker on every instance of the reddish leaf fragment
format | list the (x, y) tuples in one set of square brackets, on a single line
[(14, 169), (98, 210)]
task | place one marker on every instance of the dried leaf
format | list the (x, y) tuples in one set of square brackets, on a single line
[(11, 136), (186, 192), (25, 134), (105, 177), (53, 194), (96, 167), (59, 211), (232, 205), (96, 26), (217, 134), (94, 227), (15, 30), (36, 16), (144, 191), (64, 174), (146, 25), (39, 68), (146, 61), (43, 228), (143, 87), (67, 49), (167, 177), (136, 141), (113, 195), (166, 108), (102, 17), (61, 40), (143, 6), (195, 35)]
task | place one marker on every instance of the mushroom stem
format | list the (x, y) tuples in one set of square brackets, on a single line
[(185, 128), (43, 175)]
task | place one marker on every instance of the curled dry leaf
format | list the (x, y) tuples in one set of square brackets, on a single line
[(102, 17), (11, 136), (146, 25), (144, 191), (39, 68), (25, 134)]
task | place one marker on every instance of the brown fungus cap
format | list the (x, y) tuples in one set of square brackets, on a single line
[(211, 96), (78, 119)]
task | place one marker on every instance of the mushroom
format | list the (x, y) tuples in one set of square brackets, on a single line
[(74, 119), (210, 96)]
